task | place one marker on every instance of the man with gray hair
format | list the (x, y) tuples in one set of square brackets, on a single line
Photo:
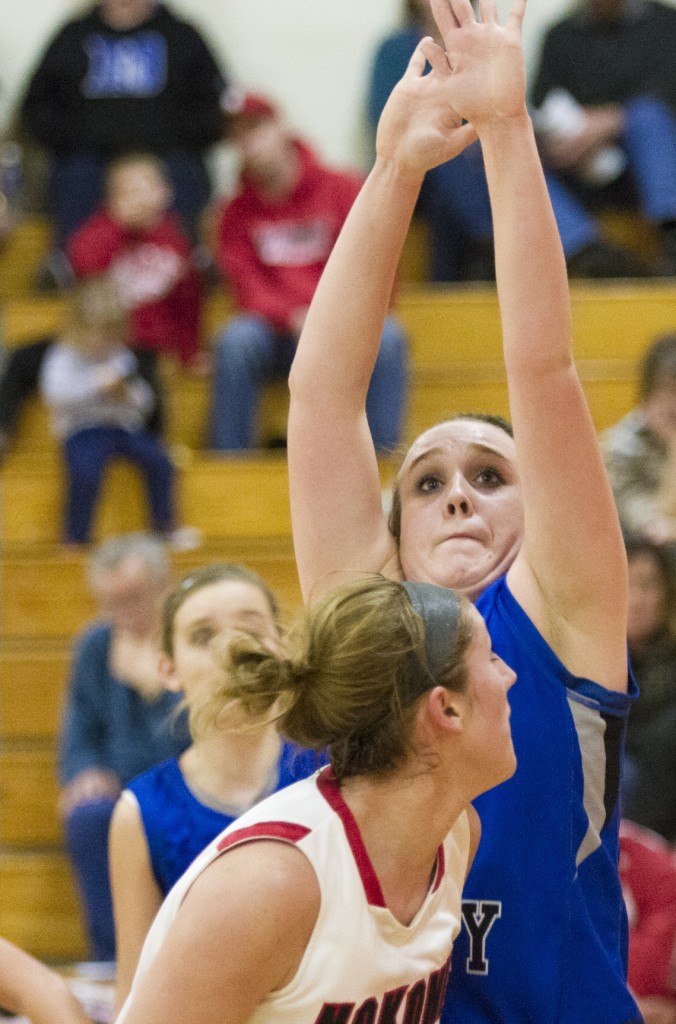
[(118, 720)]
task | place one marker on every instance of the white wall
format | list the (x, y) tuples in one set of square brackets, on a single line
[(312, 55)]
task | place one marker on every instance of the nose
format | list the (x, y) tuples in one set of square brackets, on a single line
[(458, 499), (510, 678)]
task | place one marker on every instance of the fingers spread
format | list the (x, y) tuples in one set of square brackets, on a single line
[(434, 55), (516, 13), (444, 16), (463, 11), (489, 12), (416, 65)]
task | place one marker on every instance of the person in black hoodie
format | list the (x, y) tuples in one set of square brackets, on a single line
[(126, 75)]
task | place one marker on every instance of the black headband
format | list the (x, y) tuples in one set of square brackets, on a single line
[(439, 609)]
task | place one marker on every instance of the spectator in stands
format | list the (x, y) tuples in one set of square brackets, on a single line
[(640, 450), (125, 75), (29, 989), (454, 196), (650, 773), (272, 242), (170, 813), (606, 93), (648, 876), (118, 719), (100, 405), (139, 242)]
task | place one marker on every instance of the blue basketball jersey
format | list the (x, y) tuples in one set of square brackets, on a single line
[(544, 937), (178, 826)]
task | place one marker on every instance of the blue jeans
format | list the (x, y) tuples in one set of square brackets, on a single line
[(86, 835), (88, 452), (454, 196), (454, 199), (77, 187), (649, 141), (250, 352)]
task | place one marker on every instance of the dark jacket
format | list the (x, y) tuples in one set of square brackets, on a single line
[(154, 88)]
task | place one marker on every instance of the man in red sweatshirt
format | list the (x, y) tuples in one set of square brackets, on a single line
[(273, 239)]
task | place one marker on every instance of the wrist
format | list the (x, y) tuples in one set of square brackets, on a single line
[(505, 128), (398, 174)]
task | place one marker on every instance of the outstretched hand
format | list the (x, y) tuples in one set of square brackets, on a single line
[(488, 77), (418, 127)]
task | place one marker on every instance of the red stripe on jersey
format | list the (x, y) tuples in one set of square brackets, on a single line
[(441, 868), (330, 790), (286, 831)]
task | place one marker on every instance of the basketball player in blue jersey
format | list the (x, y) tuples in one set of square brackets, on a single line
[(525, 525)]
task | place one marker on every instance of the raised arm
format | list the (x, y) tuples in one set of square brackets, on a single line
[(338, 522), (570, 575)]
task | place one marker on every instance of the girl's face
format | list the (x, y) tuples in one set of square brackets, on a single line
[(138, 195), (490, 751), (461, 508), (216, 610), (647, 597)]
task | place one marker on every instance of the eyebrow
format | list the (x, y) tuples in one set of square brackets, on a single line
[(475, 448), (244, 613), (205, 620)]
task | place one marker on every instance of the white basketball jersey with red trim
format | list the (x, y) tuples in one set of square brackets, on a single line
[(361, 965)]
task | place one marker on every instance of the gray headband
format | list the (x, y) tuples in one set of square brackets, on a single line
[(439, 609)]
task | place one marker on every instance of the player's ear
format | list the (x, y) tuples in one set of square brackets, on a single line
[(446, 709)]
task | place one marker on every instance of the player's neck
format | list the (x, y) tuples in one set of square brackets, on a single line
[(232, 768), (403, 819)]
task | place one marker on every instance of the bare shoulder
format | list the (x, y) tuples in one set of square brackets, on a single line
[(126, 825), (238, 936), (262, 893), (269, 869)]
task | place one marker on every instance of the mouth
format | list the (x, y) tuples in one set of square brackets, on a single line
[(459, 537)]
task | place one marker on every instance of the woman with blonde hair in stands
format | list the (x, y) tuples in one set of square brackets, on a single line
[(342, 893), (167, 815)]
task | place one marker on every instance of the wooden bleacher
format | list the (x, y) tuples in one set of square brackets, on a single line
[(241, 505), (455, 348)]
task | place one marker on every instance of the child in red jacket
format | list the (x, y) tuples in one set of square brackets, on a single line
[(139, 242)]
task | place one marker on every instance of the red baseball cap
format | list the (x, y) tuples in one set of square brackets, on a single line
[(237, 103)]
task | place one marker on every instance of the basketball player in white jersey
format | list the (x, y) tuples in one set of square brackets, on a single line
[(336, 901)]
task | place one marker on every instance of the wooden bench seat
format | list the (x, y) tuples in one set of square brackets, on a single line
[(21, 254), (227, 498), (45, 597), (28, 789), (32, 684), (38, 905), (455, 355)]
